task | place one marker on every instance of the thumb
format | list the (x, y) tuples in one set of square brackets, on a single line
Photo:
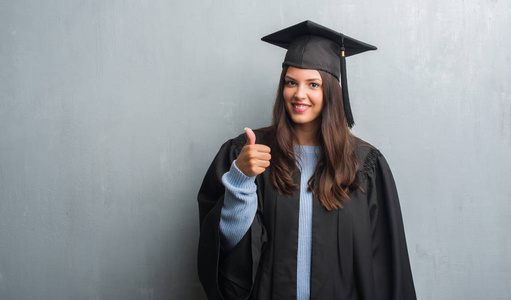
[(250, 136)]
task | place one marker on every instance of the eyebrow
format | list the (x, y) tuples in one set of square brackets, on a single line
[(310, 79)]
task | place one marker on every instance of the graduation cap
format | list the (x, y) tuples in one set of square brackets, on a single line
[(313, 46)]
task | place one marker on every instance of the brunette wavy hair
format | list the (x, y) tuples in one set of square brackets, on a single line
[(334, 176)]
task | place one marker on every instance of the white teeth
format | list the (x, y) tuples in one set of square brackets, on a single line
[(301, 106)]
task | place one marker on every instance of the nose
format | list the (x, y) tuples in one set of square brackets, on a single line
[(300, 92)]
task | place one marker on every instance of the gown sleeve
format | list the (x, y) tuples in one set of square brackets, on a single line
[(227, 275), (391, 265)]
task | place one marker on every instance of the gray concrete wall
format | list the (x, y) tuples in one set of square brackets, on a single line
[(111, 111)]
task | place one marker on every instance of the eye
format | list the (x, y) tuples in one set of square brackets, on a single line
[(314, 85), (290, 83)]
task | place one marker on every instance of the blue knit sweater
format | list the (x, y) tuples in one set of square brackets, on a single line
[(240, 206)]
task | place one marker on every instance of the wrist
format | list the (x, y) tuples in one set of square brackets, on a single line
[(235, 179)]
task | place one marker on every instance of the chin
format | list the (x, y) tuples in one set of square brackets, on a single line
[(304, 121)]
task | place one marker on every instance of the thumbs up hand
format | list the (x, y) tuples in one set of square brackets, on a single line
[(254, 158)]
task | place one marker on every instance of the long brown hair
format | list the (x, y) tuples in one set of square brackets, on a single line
[(334, 176)]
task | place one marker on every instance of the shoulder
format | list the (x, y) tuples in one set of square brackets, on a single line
[(368, 155), (238, 142), (263, 136)]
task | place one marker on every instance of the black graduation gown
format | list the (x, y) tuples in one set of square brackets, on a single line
[(358, 252)]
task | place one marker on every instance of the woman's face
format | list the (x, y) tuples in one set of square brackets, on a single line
[(303, 95)]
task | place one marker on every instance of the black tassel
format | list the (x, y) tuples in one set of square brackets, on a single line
[(345, 96)]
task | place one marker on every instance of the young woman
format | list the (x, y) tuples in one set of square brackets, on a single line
[(303, 209)]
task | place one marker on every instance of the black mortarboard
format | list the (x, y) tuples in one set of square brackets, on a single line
[(312, 46)]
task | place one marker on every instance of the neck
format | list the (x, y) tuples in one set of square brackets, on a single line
[(306, 134)]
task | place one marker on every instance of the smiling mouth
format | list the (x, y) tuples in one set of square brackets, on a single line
[(297, 107)]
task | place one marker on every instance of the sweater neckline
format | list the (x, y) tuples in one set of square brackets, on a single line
[(307, 149)]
